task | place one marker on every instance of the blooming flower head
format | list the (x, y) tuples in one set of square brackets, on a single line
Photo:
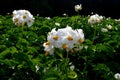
[(95, 19), (78, 8), (67, 38), (64, 38), (117, 76), (104, 30), (80, 35), (49, 48), (21, 17)]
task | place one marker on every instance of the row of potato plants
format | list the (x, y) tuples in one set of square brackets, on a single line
[(22, 55)]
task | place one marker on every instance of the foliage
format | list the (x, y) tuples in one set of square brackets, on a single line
[(22, 56)]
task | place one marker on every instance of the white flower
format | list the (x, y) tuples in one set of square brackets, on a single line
[(64, 14), (30, 22), (92, 13), (49, 48), (72, 67), (117, 20), (57, 24), (20, 17), (13, 67), (95, 19), (104, 30), (64, 38), (52, 36), (117, 76), (80, 35), (109, 26), (37, 67), (37, 14), (48, 18), (78, 8), (18, 20)]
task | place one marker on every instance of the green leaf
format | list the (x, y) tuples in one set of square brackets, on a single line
[(36, 60), (7, 62), (13, 50), (4, 53), (101, 67), (88, 42), (20, 66), (51, 78)]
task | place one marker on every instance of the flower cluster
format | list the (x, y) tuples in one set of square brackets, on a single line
[(78, 8), (20, 17), (95, 19), (64, 38)]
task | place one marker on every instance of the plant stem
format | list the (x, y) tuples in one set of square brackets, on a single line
[(66, 66), (94, 35)]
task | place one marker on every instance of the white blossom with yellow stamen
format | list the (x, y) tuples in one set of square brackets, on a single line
[(80, 36), (67, 37), (49, 48), (20, 17), (64, 38), (95, 19)]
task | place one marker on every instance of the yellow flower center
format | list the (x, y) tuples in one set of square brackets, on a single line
[(80, 40), (70, 38), (47, 43), (24, 17), (16, 19), (64, 46), (55, 37)]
